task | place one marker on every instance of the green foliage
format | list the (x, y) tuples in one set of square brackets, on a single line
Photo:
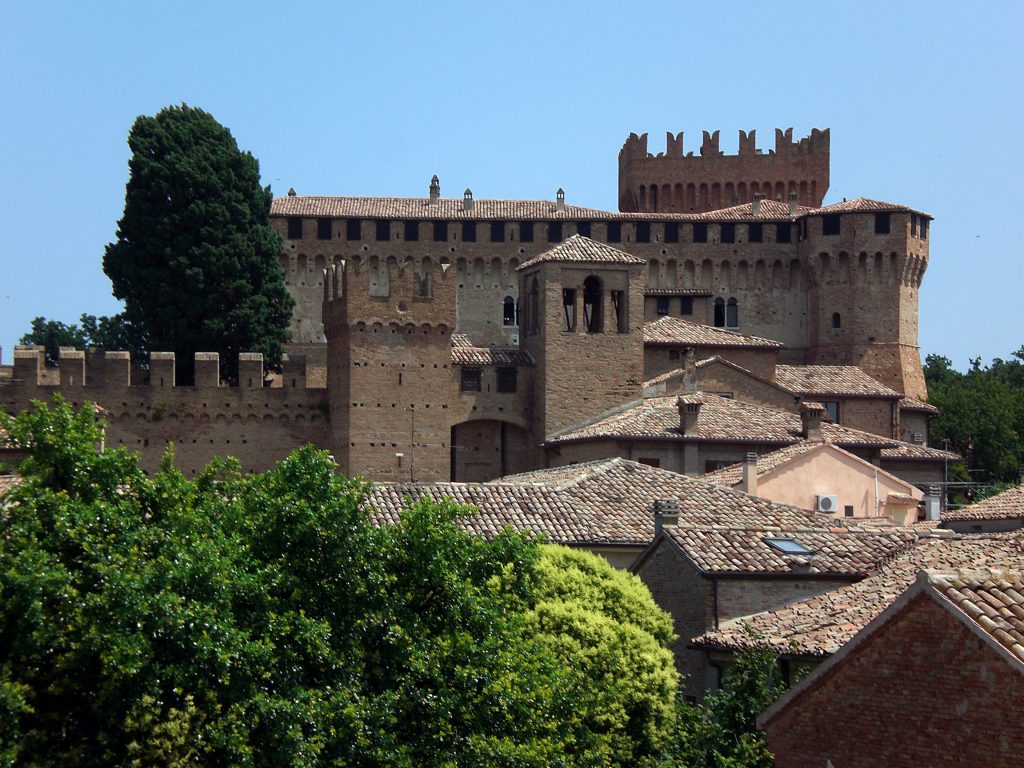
[(720, 732), (105, 332), (603, 625), (196, 260), (262, 620), (981, 414)]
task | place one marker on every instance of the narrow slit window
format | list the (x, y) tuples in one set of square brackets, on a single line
[(569, 308), (619, 306), (592, 304), (732, 314), (508, 311)]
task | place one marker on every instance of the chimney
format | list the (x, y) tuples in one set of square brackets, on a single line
[(560, 200), (435, 190), (467, 199), (750, 474), (755, 206), (690, 371), (666, 512), (291, 191), (689, 410), (792, 203), (933, 503), (810, 416)]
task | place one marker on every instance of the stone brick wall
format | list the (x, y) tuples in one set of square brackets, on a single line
[(922, 690), (681, 182), (744, 596)]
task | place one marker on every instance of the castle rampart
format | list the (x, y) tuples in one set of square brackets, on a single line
[(676, 182)]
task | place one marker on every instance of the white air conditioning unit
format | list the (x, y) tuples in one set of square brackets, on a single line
[(826, 503)]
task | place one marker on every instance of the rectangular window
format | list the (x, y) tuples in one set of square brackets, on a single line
[(913, 225), (728, 233), (497, 231), (700, 233), (830, 224), (323, 229), (924, 228), (832, 407), (662, 305), (614, 229), (440, 231), (783, 233), (881, 223), (848, 510), (470, 380), (412, 231), (294, 228), (755, 233), (583, 228), (643, 231), (354, 229), (555, 232), (650, 462), (383, 227), (686, 305), (507, 379), (525, 231), (469, 231), (671, 232)]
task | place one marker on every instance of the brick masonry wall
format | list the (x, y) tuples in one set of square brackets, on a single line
[(922, 691), (742, 597)]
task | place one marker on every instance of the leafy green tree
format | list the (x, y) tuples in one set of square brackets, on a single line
[(981, 415), (106, 332), (263, 620), (720, 732), (196, 260)]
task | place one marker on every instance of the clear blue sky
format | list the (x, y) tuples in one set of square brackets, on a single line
[(514, 100)]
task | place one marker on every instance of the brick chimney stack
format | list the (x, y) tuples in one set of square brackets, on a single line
[(749, 484), (689, 411), (467, 199), (810, 416), (666, 513), (435, 190)]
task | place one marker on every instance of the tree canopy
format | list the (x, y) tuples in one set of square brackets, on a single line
[(196, 259), (262, 620), (981, 414), (107, 332)]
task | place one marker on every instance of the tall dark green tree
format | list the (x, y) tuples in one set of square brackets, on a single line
[(196, 260)]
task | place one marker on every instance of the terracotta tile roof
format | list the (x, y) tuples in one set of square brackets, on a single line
[(580, 248), (770, 210), (420, 208), (842, 380), (610, 502), (864, 205), (679, 332), (1007, 505), (913, 404), (820, 625), (723, 419), (465, 353), (992, 599), (900, 498), (766, 462)]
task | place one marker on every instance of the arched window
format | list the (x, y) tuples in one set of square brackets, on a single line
[(508, 311), (837, 321), (569, 308), (719, 313), (732, 314), (592, 309)]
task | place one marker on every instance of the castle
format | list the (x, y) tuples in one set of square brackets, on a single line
[(445, 339)]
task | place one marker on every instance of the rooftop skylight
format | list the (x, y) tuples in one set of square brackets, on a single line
[(788, 546)]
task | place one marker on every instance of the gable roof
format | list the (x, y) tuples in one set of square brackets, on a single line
[(769, 462), (610, 502), (450, 208), (913, 404), (726, 420), (582, 249), (865, 205), (1008, 505), (844, 380), (820, 625), (678, 332), (768, 210)]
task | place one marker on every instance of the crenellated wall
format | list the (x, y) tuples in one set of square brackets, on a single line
[(257, 424), (676, 182)]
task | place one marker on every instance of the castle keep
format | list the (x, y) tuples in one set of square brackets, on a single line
[(442, 338)]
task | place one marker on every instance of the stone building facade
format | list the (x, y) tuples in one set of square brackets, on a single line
[(448, 338)]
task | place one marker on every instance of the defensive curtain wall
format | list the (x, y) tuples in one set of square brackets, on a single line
[(259, 425)]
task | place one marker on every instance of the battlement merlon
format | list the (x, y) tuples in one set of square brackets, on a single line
[(403, 290), (817, 142), (97, 368)]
